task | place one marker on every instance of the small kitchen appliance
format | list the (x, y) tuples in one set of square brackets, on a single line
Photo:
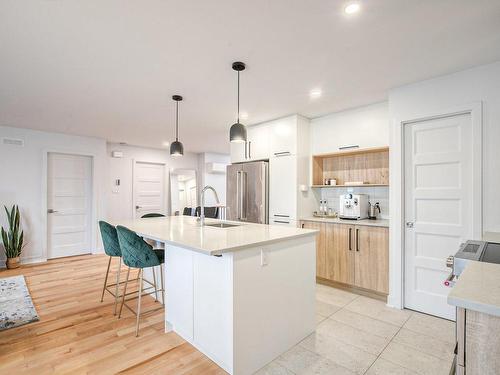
[(373, 210), (353, 206), (479, 251)]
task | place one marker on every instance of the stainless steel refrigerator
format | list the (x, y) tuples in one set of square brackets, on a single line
[(247, 193)]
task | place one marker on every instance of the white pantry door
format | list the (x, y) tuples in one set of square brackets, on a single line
[(149, 188), (438, 207), (69, 205)]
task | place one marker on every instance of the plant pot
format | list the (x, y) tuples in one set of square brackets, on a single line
[(12, 263)]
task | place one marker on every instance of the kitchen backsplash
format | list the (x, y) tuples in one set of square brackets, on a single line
[(375, 194)]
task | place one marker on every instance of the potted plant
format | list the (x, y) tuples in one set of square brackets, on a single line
[(13, 237)]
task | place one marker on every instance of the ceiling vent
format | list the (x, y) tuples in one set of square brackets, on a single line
[(13, 142)]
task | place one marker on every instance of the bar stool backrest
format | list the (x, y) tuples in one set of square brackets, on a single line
[(136, 252), (110, 239), (153, 214)]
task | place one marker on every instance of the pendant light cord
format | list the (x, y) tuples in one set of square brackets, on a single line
[(177, 121), (238, 96)]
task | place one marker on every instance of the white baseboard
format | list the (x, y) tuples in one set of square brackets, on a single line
[(28, 260), (31, 260)]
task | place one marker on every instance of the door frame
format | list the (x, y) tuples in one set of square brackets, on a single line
[(44, 191), (397, 192), (166, 182)]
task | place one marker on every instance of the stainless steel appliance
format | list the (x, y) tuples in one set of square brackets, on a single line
[(353, 206), (247, 192), (479, 251), (373, 210)]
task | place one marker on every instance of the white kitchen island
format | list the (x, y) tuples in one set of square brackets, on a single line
[(242, 295)]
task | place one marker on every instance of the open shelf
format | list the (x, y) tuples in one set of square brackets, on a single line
[(369, 165), (343, 186)]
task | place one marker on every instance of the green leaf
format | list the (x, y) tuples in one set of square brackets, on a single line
[(9, 220), (21, 240), (5, 239)]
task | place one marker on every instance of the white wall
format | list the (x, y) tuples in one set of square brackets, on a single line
[(370, 122), (120, 204), (22, 181), (462, 89), (217, 181)]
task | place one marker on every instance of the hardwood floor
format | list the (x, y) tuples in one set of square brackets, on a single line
[(77, 334)]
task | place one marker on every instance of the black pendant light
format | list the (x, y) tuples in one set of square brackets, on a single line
[(176, 148), (238, 132)]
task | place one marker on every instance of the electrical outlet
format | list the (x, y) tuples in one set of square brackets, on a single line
[(264, 258)]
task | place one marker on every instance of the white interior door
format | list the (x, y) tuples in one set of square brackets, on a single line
[(69, 205), (192, 197), (438, 206), (149, 188)]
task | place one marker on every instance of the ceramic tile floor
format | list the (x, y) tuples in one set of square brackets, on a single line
[(360, 335)]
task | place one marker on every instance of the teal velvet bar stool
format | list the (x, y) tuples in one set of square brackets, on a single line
[(112, 249), (137, 253)]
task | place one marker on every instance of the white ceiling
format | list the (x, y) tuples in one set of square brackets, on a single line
[(108, 68)]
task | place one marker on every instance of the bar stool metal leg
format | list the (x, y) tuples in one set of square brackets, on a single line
[(105, 280), (162, 285), (117, 283), (124, 292), (139, 305), (154, 284)]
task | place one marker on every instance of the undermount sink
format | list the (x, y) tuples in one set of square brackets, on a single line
[(222, 225)]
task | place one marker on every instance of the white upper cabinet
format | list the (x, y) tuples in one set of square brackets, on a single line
[(258, 142), (238, 152), (283, 136), (255, 148), (365, 127), (283, 188)]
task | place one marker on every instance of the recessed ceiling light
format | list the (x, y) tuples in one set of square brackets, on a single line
[(352, 8), (243, 115), (314, 94)]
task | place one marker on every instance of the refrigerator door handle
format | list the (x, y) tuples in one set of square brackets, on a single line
[(238, 200), (243, 198)]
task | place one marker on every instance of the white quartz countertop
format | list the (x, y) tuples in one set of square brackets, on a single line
[(336, 220), (185, 231), (478, 288)]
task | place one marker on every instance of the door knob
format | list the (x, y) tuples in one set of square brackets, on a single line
[(409, 224), (137, 207), (51, 211)]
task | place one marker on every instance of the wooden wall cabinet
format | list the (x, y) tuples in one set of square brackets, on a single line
[(354, 255)]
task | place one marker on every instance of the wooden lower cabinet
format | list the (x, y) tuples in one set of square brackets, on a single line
[(339, 253), (355, 255), (320, 246), (371, 258)]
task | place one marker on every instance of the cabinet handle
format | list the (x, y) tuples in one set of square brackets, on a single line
[(281, 221), (302, 225), (284, 153), (350, 230), (357, 239), (249, 149), (349, 147), (246, 144)]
